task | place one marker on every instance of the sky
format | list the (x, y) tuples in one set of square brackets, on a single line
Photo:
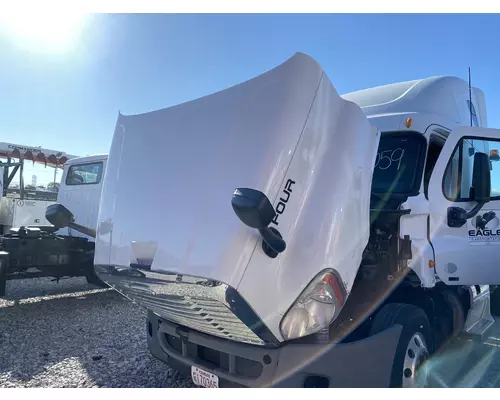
[(68, 100)]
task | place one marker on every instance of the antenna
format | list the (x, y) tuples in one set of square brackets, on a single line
[(470, 99)]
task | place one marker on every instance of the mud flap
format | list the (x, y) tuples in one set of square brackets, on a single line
[(4, 266)]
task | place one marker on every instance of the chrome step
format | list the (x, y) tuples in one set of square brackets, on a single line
[(479, 319)]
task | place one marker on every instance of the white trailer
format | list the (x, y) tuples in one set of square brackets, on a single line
[(288, 236)]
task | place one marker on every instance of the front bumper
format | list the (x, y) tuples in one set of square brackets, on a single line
[(364, 363)]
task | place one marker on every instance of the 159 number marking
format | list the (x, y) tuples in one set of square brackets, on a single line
[(385, 158)]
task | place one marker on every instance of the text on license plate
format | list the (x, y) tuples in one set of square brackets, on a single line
[(204, 378)]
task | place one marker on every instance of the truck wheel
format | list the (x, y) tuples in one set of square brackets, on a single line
[(416, 342)]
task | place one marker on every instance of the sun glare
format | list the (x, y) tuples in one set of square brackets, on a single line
[(43, 32)]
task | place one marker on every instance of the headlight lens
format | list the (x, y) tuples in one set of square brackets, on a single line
[(316, 308)]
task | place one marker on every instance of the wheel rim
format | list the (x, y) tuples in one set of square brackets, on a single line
[(416, 353)]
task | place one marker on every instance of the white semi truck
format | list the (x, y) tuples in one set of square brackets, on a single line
[(29, 246), (282, 235)]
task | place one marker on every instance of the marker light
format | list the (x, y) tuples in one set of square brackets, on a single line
[(494, 156), (408, 122)]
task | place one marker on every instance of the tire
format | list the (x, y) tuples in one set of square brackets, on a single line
[(458, 315), (495, 302), (416, 329)]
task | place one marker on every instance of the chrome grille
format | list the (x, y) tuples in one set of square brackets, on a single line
[(193, 302), (204, 315)]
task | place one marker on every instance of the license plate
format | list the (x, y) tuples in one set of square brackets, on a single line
[(204, 378)]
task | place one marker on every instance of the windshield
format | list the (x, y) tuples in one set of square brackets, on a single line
[(398, 163)]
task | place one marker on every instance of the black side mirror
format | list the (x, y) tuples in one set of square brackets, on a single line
[(481, 181), (61, 217), (254, 209), (479, 192)]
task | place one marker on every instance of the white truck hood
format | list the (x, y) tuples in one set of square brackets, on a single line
[(167, 190)]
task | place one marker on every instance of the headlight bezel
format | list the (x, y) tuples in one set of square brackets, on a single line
[(328, 279)]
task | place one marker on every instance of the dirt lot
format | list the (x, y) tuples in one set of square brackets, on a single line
[(68, 334), (65, 335)]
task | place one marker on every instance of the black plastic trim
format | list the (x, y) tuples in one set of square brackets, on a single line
[(244, 312), (366, 362)]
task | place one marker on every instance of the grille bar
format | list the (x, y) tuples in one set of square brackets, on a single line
[(193, 302), (216, 320)]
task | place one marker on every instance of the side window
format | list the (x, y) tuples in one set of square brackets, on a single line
[(457, 180), (84, 174)]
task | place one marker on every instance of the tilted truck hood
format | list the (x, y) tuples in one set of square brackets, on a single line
[(166, 198)]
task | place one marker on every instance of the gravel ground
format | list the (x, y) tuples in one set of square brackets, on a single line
[(69, 334), (468, 362)]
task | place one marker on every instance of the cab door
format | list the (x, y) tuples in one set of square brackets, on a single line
[(464, 224), (80, 192)]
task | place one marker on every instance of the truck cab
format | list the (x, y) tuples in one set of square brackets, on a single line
[(293, 237), (31, 247), (80, 191), (415, 119)]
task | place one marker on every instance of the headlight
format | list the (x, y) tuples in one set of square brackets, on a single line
[(316, 308)]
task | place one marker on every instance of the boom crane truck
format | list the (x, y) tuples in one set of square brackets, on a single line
[(29, 246), (293, 237)]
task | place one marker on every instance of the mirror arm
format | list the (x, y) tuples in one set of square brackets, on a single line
[(457, 216), (83, 229), (273, 243), (475, 210)]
